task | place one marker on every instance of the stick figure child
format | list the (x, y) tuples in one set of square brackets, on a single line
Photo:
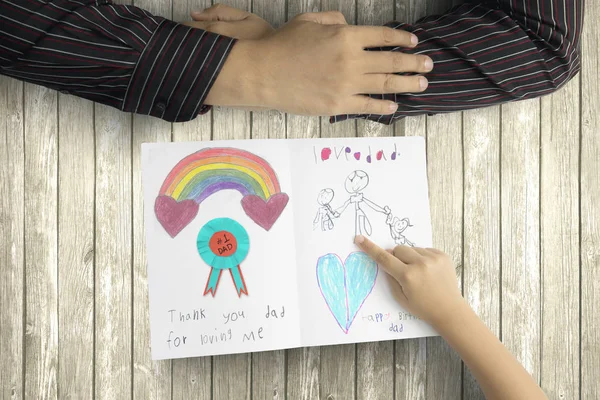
[(355, 183), (397, 227), (325, 214)]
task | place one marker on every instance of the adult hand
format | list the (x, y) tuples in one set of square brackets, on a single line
[(422, 280), (318, 65), (232, 22)]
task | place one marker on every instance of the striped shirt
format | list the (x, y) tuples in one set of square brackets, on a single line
[(484, 53), (490, 52), (117, 55)]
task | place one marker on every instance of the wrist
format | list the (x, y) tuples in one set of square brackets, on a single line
[(457, 313), (241, 80)]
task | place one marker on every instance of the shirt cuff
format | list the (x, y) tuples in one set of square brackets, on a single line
[(175, 72)]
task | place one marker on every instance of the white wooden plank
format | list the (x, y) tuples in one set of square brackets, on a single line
[(410, 362), (374, 361), (76, 169), (590, 205), (303, 363), (268, 368), (192, 377), (12, 258), (41, 270), (481, 254), (560, 242), (520, 197), (374, 12), (232, 373), (345, 128), (337, 372), (375, 370), (151, 379), (445, 173), (410, 366), (303, 373), (113, 326)]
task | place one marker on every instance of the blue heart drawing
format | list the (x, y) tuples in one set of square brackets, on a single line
[(346, 285)]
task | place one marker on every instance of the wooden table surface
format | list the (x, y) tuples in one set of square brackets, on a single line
[(515, 200)]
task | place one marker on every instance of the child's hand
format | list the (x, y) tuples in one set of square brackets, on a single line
[(422, 280)]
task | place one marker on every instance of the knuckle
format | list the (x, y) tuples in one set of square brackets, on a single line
[(343, 34), (408, 275), (366, 108), (381, 257), (387, 35), (397, 62), (389, 84)]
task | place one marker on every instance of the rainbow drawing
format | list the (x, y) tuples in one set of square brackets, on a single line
[(210, 170)]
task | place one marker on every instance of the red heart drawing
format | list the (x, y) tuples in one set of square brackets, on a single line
[(174, 215), (357, 155), (264, 213)]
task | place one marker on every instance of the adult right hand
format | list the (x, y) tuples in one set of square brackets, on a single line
[(318, 65)]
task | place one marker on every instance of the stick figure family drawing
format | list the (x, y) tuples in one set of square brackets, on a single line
[(355, 185)]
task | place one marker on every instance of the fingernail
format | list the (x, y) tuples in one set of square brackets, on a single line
[(393, 107), (359, 239), (414, 39), (423, 83), (428, 64)]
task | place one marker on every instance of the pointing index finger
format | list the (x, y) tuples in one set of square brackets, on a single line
[(387, 261)]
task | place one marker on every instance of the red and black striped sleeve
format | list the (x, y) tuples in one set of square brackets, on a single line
[(117, 55), (491, 52)]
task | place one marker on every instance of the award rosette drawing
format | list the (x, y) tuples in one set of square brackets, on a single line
[(223, 244)]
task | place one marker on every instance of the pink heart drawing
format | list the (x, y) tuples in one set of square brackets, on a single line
[(174, 215), (264, 213), (357, 155)]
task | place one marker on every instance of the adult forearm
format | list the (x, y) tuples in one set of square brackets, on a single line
[(490, 52), (117, 55)]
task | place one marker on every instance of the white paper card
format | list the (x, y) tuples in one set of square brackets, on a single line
[(250, 242)]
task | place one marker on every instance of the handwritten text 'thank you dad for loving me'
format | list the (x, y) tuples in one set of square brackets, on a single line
[(366, 154)]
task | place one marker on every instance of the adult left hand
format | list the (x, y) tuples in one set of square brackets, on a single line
[(229, 21)]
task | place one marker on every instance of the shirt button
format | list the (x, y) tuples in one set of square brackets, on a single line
[(160, 106)]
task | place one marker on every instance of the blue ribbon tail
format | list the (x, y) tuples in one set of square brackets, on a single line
[(213, 281), (238, 281)]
